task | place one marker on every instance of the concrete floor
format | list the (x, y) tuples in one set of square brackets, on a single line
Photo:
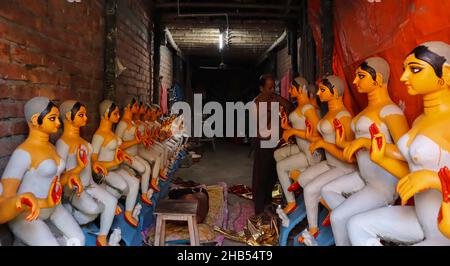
[(229, 163)]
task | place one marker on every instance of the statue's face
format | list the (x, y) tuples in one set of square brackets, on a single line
[(142, 109), (293, 91), (324, 93), (419, 77), (135, 108), (80, 119), (363, 81), (51, 122), (115, 116), (148, 112)]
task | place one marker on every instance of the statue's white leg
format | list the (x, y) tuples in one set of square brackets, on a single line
[(85, 208), (116, 184), (137, 164), (35, 233), (285, 151), (335, 192), (296, 161), (133, 189), (109, 203), (395, 223), (364, 200), (311, 192), (64, 221), (154, 157), (311, 172), (157, 167), (148, 154), (145, 179), (158, 151)]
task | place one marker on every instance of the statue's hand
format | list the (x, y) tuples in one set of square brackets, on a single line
[(417, 182), (378, 147), (118, 157), (340, 133), (316, 145), (138, 135), (287, 134), (75, 183), (309, 131), (98, 168), (127, 157), (354, 146), (444, 178), (82, 157), (284, 121), (28, 201), (55, 193), (145, 143), (444, 211)]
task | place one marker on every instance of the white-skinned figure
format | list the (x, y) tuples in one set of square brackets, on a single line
[(107, 153), (35, 167), (94, 200), (372, 186), (128, 131), (292, 159), (331, 90), (418, 159), (165, 140), (157, 152)]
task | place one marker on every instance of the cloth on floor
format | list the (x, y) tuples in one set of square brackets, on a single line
[(242, 191), (180, 183), (217, 216), (239, 213)]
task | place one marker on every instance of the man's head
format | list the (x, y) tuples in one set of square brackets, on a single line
[(266, 84)]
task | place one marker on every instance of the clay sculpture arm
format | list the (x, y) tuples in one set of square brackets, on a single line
[(332, 148), (398, 126), (397, 168), (100, 166), (120, 130), (71, 177), (11, 203)]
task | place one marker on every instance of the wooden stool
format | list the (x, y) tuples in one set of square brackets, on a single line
[(176, 210)]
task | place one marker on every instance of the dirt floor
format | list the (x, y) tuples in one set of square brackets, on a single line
[(229, 163)]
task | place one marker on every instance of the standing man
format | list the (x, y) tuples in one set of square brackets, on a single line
[(264, 165)]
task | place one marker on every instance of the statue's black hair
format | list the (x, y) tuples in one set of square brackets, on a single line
[(47, 110)]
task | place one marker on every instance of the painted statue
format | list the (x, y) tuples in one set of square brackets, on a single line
[(292, 159), (331, 90), (36, 168), (421, 167), (372, 186), (107, 153), (94, 201)]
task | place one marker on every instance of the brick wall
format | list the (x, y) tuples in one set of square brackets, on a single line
[(134, 50), (166, 67), (48, 48), (283, 62), (54, 48)]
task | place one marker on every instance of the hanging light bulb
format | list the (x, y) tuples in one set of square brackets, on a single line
[(220, 41)]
